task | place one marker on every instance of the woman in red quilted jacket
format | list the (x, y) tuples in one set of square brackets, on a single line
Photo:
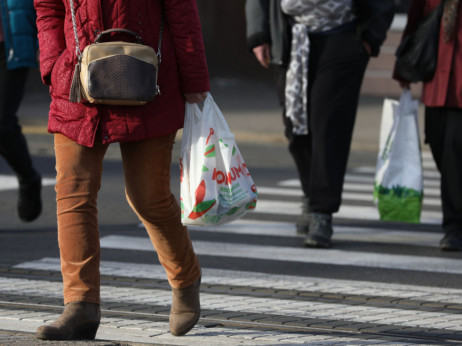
[(83, 132), (442, 97)]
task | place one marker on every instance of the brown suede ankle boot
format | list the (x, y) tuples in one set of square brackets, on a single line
[(79, 321), (186, 308)]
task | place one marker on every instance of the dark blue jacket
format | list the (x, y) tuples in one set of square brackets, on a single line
[(20, 32)]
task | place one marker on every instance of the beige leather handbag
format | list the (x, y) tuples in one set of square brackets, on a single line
[(117, 72)]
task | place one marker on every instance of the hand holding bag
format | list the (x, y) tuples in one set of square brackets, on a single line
[(216, 186), (417, 54), (398, 189)]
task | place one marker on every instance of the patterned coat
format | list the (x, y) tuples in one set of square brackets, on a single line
[(183, 68), (267, 24)]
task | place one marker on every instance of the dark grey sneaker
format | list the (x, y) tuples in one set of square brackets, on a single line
[(29, 200), (320, 231), (303, 221), (452, 241)]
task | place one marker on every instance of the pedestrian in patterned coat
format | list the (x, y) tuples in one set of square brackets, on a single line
[(319, 50)]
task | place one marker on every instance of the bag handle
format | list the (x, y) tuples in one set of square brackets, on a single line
[(100, 34), (78, 52)]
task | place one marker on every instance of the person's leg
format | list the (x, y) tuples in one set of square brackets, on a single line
[(147, 184), (442, 131), (147, 180), (13, 146), (78, 180), (300, 149), (337, 66)]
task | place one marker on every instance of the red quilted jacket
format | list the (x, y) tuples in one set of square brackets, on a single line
[(183, 68)]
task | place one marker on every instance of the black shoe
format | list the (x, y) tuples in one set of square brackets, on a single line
[(29, 201), (452, 241), (303, 221), (320, 231)]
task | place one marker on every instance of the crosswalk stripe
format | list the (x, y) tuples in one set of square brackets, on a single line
[(346, 211), (367, 179), (428, 191), (364, 180), (345, 195), (10, 182), (352, 234), (430, 172), (291, 254), (213, 276)]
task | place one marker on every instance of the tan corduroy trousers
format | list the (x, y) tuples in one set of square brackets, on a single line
[(146, 167)]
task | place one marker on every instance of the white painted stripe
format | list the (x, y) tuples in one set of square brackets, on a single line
[(247, 304), (369, 179), (345, 212), (365, 185), (10, 182), (271, 281), (399, 22), (354, 234), (367, 197), (428, 191), (430, 174), (290, 254)]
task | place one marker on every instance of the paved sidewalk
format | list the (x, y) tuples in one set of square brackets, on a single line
[(280, 310)]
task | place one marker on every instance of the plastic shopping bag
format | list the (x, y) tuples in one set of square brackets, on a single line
[(216, 186), (398, 188)]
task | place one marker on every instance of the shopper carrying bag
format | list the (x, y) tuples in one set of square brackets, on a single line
[(442, 98), (398, 189), (146, 133)]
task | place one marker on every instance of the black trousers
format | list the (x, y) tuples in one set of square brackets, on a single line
[(443, 132), (336, 69), (13, 146)]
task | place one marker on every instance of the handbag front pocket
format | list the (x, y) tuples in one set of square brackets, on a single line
[(121, 77)]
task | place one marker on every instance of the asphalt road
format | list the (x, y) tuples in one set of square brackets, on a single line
[(381, 283)]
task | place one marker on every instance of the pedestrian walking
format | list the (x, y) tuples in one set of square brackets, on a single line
[(18, 53), (319, 50), (442, 97), (146, 133)]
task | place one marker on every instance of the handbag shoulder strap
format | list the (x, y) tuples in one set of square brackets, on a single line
[(78, 52)]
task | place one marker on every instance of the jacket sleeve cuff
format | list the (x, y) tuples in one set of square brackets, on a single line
[(373, 43), (195, 86), (257, 40)]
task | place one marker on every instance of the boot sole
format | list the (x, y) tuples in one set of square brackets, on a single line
[(317, 243), (85, 332)]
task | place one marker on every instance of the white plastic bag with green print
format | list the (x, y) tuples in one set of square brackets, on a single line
[(398, 188), (216, 186)]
